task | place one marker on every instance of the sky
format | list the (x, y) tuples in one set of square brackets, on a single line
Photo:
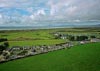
[(38, 12)]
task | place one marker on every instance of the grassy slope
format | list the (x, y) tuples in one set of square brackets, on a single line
[(79, 58)]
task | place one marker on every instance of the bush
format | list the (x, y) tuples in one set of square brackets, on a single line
[(4, 46), (81, 38), (3, 39), (71, 38), (92, 36)]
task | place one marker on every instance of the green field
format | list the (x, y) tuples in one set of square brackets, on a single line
[(35, 42), (43, 36), (78, 58), (30, 37)]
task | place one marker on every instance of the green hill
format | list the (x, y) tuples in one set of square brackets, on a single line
[(79, 58)]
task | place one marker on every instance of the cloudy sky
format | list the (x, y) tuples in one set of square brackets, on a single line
[(30, 12)]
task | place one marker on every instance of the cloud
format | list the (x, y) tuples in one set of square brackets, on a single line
[(41, 12), (0, 16), (32, 17), (32, 11)]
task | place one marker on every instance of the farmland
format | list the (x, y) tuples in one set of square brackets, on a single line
[(43, 36), (78, 58)]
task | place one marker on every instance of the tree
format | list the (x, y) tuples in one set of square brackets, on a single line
[(92, 36), (3, 39), (1, 48), (71, 38), (81, 38), (6, 44)]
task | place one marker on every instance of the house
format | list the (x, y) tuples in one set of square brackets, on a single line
[(95, 40), (82, 42), (59, 35), (64, 36)]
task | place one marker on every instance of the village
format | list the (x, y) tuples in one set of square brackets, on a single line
[(9, 53), (17, 52)]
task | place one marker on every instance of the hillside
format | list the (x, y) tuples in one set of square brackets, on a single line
[(79, 58)]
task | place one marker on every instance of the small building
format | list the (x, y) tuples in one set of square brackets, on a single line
[(95, 40), (82, 42), (61, 36)]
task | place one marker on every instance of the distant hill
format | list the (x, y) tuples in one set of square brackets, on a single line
[(88, 26), (97, 25)]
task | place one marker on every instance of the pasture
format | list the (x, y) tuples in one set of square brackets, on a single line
[(78, 58), (43, 36)]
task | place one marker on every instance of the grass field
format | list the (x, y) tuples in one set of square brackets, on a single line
[(79, 58), (36, 42), (29, 38), (43, 36)]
